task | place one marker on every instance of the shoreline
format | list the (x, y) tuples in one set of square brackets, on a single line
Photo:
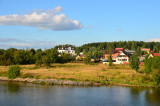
[(50, 81), (60, 82)]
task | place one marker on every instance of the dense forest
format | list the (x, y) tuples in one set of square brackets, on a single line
[(131, 45)]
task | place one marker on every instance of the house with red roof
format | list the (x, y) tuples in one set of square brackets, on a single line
[(154, 54), (119, 56)]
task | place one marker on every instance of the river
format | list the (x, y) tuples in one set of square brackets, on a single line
[(27, 94)]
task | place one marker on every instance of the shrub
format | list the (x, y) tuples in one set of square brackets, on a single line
[(13, 72), (156, 79), (38, 63)]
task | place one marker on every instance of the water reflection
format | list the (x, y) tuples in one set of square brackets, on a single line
[(13, 87), (27, 94), (136, 90), (153, 95)]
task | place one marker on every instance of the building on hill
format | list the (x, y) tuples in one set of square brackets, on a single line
[(67, 49)]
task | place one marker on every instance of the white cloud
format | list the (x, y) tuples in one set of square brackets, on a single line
[(6, 43), (153, 40), (49, 19)]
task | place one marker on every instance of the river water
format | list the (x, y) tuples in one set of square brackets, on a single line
[(27, 94)]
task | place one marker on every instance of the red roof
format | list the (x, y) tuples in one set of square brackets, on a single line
[(141, 63), (118, 48), (113, 56), (156, 54), (145, 49)]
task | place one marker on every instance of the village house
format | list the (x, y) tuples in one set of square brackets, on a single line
[(119, 56), (147, 50), (154, 54), (67, 49), (80, 57)]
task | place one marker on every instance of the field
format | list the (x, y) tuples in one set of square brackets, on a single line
[(118, 74)]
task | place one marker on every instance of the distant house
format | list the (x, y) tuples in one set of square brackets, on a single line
[(154, 54), (119, 56), (122, 58), (67, 49), (146, 50), (130, 51), (141, 58), (80, 57), (119, 49)]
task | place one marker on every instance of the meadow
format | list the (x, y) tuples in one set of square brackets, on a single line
[(99, 73)]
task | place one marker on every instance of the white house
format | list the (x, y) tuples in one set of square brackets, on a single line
[(67, 49), (122, 58)]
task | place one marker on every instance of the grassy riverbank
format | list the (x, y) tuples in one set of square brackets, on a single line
[(118, 74)]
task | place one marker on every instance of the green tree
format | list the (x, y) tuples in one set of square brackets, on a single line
[(46, 61), (139, 52), (155, 49), (147, 64), (13, 72), (87, 59), (84, 52), (110, 60), (134, 62)]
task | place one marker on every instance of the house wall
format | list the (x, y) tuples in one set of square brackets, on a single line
[(69, 51)]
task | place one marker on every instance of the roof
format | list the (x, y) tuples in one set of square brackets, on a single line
[(145, 49), (130, 51), (65, 48), (156, 54), (113, 55), (83, 56), (118, 48), (141, 63)]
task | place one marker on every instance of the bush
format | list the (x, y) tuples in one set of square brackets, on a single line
[(13, 72)]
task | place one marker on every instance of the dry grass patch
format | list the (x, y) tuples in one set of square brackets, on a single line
[(81, 72)]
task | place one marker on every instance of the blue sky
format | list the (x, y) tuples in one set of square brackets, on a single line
[(45, 23)]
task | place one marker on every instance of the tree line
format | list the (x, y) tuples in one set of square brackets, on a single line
[(130, 45), (31, 56)]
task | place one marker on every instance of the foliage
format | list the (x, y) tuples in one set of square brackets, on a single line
[(46, 61), (110, 60), (13, 72), (155, 49), (152, 64), (134, 62), (139, 52), (131, 45), (87, 60)]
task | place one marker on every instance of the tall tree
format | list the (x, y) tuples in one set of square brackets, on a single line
[(134, 62), (155, 49)]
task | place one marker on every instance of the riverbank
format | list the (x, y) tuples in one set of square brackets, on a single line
[(49, 81), (78, 72)]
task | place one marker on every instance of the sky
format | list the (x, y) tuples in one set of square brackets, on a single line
[(46, 23)]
